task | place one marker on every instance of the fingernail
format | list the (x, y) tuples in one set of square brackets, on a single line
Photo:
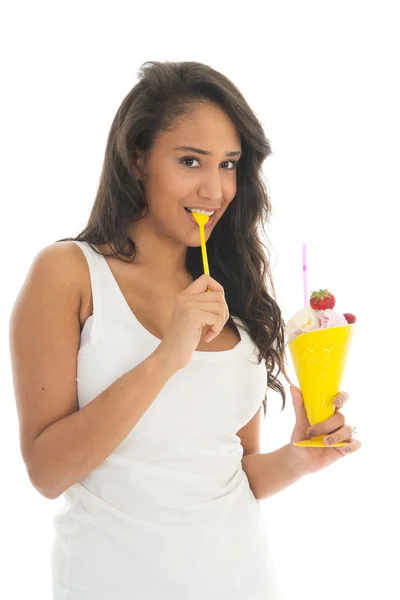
[(311, 433), (329, 440), (339, 401)]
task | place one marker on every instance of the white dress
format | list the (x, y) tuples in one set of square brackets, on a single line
[(169, 515)]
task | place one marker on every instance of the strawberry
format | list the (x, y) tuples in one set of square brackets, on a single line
[(322, 300), (350, 318)]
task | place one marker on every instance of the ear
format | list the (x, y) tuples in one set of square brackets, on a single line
[(138, 165)]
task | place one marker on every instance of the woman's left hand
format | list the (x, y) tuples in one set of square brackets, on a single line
[(312, 459)]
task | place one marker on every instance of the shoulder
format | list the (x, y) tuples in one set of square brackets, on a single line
[(65, 265), (68, 252), (64, 261)]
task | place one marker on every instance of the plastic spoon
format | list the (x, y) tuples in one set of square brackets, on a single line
[(201, 220)]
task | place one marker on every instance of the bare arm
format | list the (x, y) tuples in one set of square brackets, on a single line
[(61, 444), (72, 447), (272, 472)]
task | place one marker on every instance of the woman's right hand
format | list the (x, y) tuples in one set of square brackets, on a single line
[(193, 309)]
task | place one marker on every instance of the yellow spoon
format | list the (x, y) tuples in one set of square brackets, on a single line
[(201, 220)]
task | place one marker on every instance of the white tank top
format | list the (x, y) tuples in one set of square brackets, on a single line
[(169, 515)]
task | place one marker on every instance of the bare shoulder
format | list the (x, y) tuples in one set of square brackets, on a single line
[(65, 264), (44, 338), (68, 251), (63, 260)]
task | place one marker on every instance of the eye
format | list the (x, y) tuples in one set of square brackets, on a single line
[(187, 158)]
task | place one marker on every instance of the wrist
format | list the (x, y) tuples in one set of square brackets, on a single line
[(163, 361), (297, 460)]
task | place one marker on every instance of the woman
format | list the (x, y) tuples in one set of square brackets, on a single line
[(140, 381)]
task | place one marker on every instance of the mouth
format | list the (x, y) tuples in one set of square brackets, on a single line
[(209, 223)]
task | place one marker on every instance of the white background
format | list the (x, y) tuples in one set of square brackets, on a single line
[(323, 80)]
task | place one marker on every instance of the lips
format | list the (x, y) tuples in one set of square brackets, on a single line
[(209, 223), (191, 209)]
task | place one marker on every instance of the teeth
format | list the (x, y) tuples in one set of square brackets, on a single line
[(202, 212)]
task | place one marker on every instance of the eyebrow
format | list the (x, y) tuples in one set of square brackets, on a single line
[(205, 152)]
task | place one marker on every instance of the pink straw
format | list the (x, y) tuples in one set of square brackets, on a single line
[(305, 274)]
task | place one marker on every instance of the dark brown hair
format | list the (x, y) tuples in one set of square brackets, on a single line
[(166, 91)]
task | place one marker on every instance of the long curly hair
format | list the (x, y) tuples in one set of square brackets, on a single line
[(165, 92)]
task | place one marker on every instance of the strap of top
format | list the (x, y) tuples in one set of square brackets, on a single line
[(110, 307), (95, 265)]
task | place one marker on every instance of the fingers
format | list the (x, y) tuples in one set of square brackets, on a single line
[(336, 421), (344, 434), (220, 317), (335, 429), (352, 446), (341, 399), (219, 304), (202, 283), (341, 435)]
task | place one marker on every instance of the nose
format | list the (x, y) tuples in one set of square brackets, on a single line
[(211, 187)]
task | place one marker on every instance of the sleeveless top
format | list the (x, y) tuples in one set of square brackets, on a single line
[(169, 515)]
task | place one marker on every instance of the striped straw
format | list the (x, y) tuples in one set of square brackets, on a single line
[(305, 274)]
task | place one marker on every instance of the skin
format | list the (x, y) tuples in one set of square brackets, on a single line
[(335, 427), (173, 179), (163, 236)]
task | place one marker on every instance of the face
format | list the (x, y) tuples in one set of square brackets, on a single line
[(181, 178)]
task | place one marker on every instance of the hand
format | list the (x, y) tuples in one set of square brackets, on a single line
[(315, 459), (194, 309)]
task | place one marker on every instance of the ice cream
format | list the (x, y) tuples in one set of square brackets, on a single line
[(319, 342), (319, 315)]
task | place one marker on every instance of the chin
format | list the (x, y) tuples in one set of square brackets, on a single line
[(194, 244), (197, 242)]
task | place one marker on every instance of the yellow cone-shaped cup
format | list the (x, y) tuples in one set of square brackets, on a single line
[(319, 359)]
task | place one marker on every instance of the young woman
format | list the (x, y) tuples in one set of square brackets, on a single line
[(140, 381)]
